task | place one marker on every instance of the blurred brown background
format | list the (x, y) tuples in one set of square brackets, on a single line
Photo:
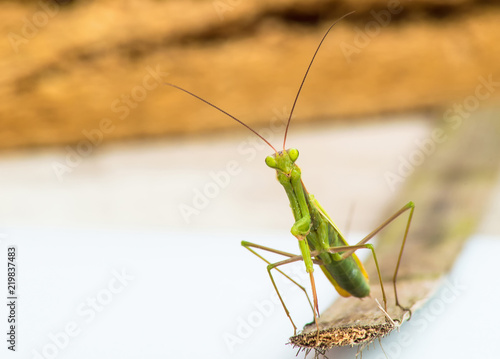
[(72, 69)]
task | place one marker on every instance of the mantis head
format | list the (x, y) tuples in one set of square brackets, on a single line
[(283, 161)]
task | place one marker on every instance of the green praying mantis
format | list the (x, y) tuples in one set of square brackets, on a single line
[(320, 240)]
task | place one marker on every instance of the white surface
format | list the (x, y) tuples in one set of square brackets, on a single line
[(193, 284), (185, 304), (177, 303)]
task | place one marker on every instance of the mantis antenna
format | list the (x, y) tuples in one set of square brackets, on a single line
[(224, 112), (307, 72)]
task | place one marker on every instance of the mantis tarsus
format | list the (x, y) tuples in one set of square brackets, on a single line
[(320, 241)]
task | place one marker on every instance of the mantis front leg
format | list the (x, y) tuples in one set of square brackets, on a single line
[(302, 226)]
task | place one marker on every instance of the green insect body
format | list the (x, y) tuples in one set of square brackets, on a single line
[(346, 274)]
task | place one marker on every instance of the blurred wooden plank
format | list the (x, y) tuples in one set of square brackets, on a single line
[(451, 190), (90, 61)]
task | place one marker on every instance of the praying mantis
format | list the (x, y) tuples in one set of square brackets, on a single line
[(320, 240)]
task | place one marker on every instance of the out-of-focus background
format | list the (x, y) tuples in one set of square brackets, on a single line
[(68, 65), (127, 199)]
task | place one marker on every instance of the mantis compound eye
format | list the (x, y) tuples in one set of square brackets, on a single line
[(271, 161), (293, 153)]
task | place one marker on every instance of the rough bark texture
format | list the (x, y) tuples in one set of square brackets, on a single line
[(65, 68), (450, 191)]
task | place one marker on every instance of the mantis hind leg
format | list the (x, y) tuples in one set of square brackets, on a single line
[(361, 244), (394, 278), (291, 258)]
